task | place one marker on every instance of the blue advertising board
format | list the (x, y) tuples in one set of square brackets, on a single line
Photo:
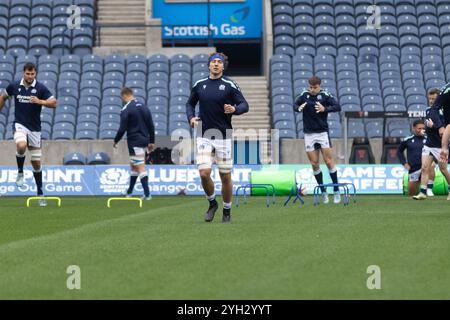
[(171, 179), (240, 19), (112, 180)]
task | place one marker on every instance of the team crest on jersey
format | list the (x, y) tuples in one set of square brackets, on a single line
[(319, 97), (204, 86), (222, 87), (20, 89), (307, 97), (33, 91)]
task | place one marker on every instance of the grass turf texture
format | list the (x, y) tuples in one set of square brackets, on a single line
[(165, 250)]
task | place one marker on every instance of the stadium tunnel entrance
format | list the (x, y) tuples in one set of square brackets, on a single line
[(245, 56)]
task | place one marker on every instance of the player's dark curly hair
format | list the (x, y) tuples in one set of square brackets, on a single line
[(314, 81), (417, 122), (434, 91), (29, 66), (223, 55)]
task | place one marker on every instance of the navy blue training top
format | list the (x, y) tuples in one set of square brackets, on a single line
[(212, 95), (443, 102), (413, 146), (433, 137), (136, 120), (26, 113), (314, 122)]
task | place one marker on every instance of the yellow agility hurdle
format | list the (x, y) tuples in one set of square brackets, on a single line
[(58, 199), (124, 199)]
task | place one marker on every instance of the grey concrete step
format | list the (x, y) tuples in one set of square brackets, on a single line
[(121, 32)]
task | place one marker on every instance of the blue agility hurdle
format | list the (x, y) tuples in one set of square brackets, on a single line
[(260, 186), (344, 186), (297, 191)]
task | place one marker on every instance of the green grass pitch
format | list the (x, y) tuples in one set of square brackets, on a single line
[(165, 250)]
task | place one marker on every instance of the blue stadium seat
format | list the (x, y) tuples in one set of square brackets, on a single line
[(82, 45), (87, 117), (39, 46), (4, 12), (94, 76), (115, 67), (118, 76), (109, 125), (41, 10), (60, 45), (40, 32), (19, 21), (64, 101), (88, 109), (59, 118), (64, 126), (19, 11), (107, 135), (74, 158), (158, 67), (93, 93), (92, 59), (41, 21), (114, 59), (158, 58), (86, 135), (200, 58)]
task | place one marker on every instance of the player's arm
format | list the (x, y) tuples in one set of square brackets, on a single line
[(400, 154), (46, 99), (5, 95), (2, 101), (332, 105), (446, 138), (151, 130), (122, 128), (190, 107), (49, 103), (299, 104), (240, 104)]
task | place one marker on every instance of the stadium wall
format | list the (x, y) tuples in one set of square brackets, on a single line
[(292, 151)]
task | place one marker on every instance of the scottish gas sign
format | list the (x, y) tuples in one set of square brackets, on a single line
[(241, 19)]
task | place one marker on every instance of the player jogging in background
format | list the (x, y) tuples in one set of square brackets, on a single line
[(136, 120), (434, 124), (413, 146), (413, 161), (315, 105), (219, 99), (29, 96)]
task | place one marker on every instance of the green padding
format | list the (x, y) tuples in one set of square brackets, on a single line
[(282, 180), (440, 186)]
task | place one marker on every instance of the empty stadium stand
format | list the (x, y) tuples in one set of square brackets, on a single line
[(40, 27), (88, 91), (367, 69)]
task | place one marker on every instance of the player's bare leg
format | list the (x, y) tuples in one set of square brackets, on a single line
[(143, 177), (208, 186), (444, 170), (36, 154), (327, 154), (227, 194), (430, 183), (413, 188), (426, 163), (313, 157)]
